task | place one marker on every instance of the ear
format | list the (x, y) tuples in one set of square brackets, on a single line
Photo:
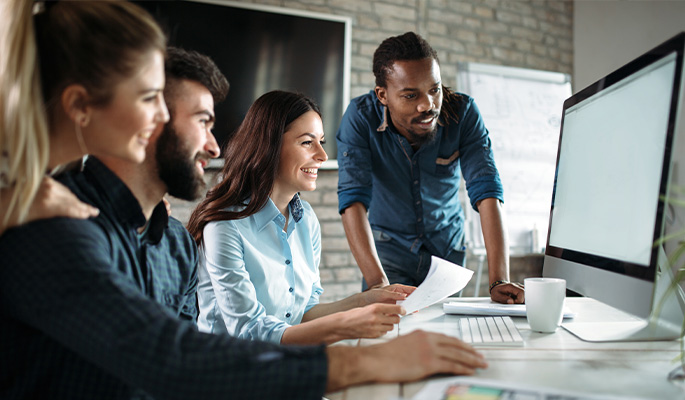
[(75, 103), (381, 94)]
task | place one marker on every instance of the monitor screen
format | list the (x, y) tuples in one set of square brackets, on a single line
[(613, 172), (610, 164)]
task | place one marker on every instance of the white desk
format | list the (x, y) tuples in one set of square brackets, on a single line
[(558, 360)]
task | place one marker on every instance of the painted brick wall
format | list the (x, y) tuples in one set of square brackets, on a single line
[(535, 34)]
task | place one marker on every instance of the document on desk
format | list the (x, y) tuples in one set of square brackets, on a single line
[(491, 308), (444, 278), (465, 388)]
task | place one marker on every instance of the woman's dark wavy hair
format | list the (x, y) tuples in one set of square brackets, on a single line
[(251, 160), (410, 46)]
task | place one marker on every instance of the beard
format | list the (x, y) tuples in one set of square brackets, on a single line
[(418, 139), (176, 166)]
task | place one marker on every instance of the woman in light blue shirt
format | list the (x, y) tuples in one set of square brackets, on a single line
[(260, 244)]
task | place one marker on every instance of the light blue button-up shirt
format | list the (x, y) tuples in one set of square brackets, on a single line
[(256, 280)]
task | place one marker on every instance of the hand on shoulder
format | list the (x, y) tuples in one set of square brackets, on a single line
[(56, 200)]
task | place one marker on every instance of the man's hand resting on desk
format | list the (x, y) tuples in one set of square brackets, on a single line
[(405, 359), (508, 293)]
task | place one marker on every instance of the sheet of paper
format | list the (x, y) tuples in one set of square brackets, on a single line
[(444, 278), (465, 388), (492, 308)]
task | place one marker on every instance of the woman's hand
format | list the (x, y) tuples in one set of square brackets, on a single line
[(52, 200), (370, 321), (56, 200), (387, 294)]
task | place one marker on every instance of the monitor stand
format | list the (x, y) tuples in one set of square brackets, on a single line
[(665, 321)]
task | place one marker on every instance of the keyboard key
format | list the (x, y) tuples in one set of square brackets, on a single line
[(490, 331)]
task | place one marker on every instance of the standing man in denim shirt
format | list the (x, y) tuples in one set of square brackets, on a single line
[(400, 147)]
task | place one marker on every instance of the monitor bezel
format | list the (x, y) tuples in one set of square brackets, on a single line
[(639, 271)]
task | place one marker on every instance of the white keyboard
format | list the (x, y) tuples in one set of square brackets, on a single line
[(490, 331)]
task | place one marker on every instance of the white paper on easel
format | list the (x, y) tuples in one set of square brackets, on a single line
[(443, 279)]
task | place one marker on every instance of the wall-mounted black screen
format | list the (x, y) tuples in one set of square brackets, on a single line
[(259, 51)]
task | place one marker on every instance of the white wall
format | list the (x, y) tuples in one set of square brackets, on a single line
[(609, 33)]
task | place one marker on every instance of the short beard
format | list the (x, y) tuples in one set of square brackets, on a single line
[(176, 166), (416, 139)]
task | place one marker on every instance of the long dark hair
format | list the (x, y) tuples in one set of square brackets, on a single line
[(251, 160), (410, 46)]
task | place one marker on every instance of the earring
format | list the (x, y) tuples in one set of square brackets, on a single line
[(79, 135)]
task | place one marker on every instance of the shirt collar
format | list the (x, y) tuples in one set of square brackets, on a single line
[(384, 120), (122, 202), (383, 111), (159, 220), (270, 213)]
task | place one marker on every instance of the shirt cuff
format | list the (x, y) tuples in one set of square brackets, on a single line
[(351, 196), (276, 335), (485, 187)]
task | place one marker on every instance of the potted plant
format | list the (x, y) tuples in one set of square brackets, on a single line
[(675, 242)]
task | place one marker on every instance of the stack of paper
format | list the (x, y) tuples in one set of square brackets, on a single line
[(491, 308), (443, 279)]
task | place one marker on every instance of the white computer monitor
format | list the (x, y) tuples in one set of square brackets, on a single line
[(614, 168)]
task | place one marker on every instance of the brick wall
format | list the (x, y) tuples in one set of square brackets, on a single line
[(533, 34)]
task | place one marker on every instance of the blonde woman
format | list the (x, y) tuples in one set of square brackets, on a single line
[(58, 74)]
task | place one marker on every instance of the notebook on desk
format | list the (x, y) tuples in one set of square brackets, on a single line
[(472, 308)]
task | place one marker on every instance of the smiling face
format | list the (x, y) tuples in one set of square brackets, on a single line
[(302, 154), (413, 97), (123, 127), (186, 144)]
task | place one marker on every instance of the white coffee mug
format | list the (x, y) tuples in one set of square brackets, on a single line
[(544, 303)]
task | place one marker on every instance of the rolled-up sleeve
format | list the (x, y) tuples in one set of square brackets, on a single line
[(354, 160), (235, 294), (477, 159)]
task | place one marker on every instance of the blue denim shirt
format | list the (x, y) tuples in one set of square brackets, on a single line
[(412, 196)]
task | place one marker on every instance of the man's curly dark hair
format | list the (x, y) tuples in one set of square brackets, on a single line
[(183, 64), (405, 47)]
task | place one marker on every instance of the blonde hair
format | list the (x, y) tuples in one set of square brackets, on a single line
[(94, 44), (24, 142)]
